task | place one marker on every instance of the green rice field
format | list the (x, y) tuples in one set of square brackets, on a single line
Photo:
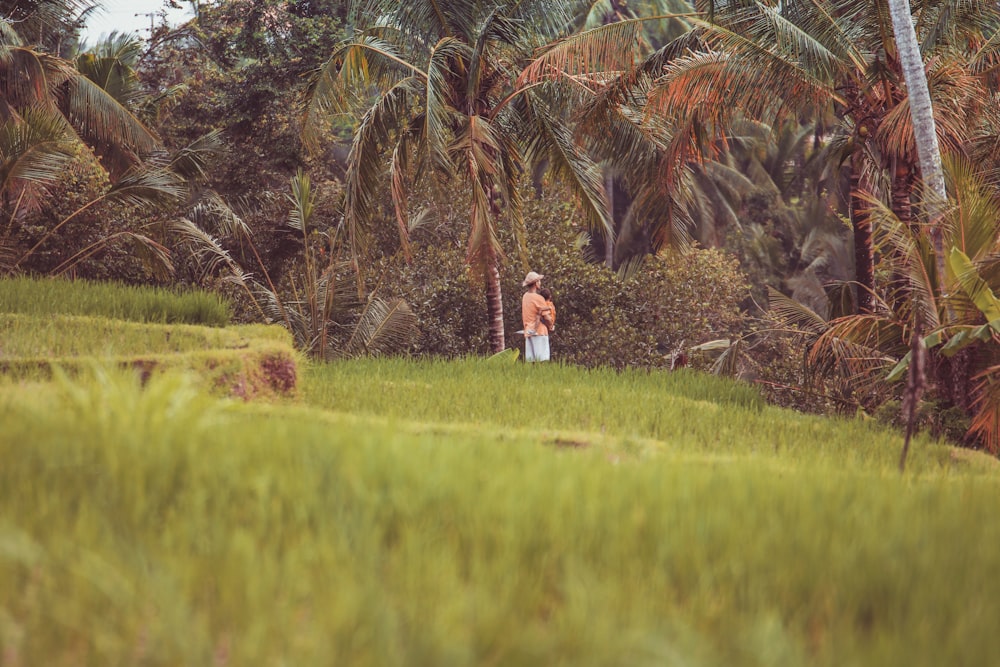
[(479, 512)]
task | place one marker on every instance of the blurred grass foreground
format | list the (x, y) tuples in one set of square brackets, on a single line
[(478, 512)]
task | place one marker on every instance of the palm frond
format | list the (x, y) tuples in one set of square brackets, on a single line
[(495, 20), (621, 134), (446, 18), (614, 47), (399, 178), (986, 422), (954, 93), (972, 222), (155, 257), (951, 22), (709, 88), (302, 200), (140, 186), (214, 214), (384, 327), (669, 220), (736, 182), (101, 120), (809, 32), (352, 66), (8, 37), (206, 251), (631, 268), (861, 348), (477, 145), (790, 313), (33, 148), (275, 310), (29, 78), (541, 20), (365, 166), (986, 57), (913, 256), (143, 187), (439, 111), (718, 204), (570, 164), (111, 65), (727, 365), (193, 161)]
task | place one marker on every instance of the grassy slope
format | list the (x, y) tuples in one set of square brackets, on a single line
[(48, 296), (424, 513), (71, 325)]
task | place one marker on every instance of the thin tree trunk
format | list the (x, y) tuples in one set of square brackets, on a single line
[(494, 305), (902, 184), (916, 379), (864, 258), (903, 176), (609, 241)]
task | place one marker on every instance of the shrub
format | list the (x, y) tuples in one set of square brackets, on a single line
[(675, 301), (74, 209)]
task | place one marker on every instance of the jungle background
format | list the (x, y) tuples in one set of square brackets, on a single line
[(727, 186)]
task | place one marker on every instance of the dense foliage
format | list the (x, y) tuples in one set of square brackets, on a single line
[(672, 302)]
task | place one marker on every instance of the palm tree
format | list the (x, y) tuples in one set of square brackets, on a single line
[(449, 106), (323, 314), (33, 78), (52, 26), (958, 312), (636, 222), (52, 108), (772, 60), (842, 52)]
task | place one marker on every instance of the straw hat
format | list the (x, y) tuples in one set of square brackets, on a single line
[(532, 277)]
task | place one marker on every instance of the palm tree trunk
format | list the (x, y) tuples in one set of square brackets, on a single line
[(864, 258), (494, 304), (924, 131)]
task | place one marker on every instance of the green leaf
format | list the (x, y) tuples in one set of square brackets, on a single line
[(511, 354), (899, 370), (713, 345), (977, 289), (957, 342)]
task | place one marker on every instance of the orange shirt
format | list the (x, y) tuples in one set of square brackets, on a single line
[(552, 313), (532, 305)]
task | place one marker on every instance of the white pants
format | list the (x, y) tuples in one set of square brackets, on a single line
[(536, 348)]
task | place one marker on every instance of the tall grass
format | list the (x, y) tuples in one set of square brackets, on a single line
[(57, 336), (47, 296), (162, 527)]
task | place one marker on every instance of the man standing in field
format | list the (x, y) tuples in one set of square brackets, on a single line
[(533, 307)]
